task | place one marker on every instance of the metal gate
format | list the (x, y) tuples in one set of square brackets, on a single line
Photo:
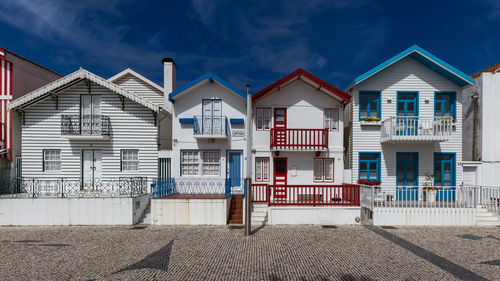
[(366, 203)]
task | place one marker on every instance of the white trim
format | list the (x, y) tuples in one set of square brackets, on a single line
[(133, 73), (81, 74)]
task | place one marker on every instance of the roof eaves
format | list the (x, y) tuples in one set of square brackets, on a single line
[(202, 78), (134, 73)]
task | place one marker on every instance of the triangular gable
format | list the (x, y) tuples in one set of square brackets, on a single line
[(454, 75), (73, 79), (129, 71), (309, 79), (207, 77)]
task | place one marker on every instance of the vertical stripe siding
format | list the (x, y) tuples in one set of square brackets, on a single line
[(6, 95)]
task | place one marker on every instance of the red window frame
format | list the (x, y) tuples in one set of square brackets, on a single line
[(331, 110), (262, 110), (323, 170), (262, 169)]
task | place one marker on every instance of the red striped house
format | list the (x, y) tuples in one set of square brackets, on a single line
[(5, 97)]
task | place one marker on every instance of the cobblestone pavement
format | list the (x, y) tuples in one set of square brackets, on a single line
[(272, 253)]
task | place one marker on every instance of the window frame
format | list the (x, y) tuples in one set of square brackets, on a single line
[(44, 161), (200, 163), (331, 110), (378, 161), (122, 161), (263, 110), (378, 100), (453, 101), (453, 166), (323, 169), (209, 163), (262, 169)]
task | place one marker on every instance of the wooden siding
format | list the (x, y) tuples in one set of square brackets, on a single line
[(141, 88), (405, 75), (133, 128)]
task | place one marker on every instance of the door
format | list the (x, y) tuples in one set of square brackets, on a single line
[(212, 117), (91, 168), (407, 175), (90, 115), (280, 179), (234, 165), (444, 175), (407, 110), (280, 123)]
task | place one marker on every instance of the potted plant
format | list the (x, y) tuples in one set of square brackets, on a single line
[(371, 119), (374, 183), (430, 190)]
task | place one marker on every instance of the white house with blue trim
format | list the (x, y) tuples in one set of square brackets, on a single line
[(405, 125)]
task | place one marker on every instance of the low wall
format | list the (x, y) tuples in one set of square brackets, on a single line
[(313, 215), (424, 216), (72, 211), (189, 211)]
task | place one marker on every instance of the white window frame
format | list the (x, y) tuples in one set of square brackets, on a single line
[(52, 162), (210, 162), (262, 169), (204, 163), (329, 114), (263, 113), (129, 160), (324, 168)]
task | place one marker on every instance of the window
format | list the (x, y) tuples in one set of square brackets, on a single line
[(130, 160), (369, 166), (331, 117), (52, 160), (211, 163), (445, 104), (262, 169), (200, 163), (263, 116), (369, 104), (323, 169)]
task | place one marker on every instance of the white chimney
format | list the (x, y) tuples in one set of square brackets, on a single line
[(168, 79)]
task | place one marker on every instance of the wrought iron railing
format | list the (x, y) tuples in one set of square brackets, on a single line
[(85, 125), (206, 186), (216, 125), (406, 128), (75, 187)]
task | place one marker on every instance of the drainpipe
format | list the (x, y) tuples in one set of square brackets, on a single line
[(248, 180), (475, 128)]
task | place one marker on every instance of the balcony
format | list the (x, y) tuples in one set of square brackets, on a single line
[(85, 127), (400, 129), (210, 127), (299, 139)]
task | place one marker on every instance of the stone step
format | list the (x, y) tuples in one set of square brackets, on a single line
[(486, 218), (259, 215), (487, 223)]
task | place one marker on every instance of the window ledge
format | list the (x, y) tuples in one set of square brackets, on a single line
[(370, 123)]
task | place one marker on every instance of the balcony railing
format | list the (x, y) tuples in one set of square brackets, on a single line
[(85, 125), (299, 139), (415, 128), (210, 127)]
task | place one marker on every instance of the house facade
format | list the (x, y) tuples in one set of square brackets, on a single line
[(405, 125), (18, 76)]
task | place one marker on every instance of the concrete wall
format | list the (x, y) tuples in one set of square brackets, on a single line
[(72, 211), (189, 211), (424, 216), (313, 215)]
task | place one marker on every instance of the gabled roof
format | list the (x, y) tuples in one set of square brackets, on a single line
[(4, 52), (129, 71), (492, 69), (207, 77), (454, 75), (306, 77), (72, 79)]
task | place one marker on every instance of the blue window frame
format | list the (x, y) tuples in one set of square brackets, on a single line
[(369, 104), (445, 104), (444, 169), (369, 166)]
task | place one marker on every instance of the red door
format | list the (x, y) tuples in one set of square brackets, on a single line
[(280, 179), (280, 126)]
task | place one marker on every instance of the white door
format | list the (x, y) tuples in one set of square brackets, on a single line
[(91, 168), (217, 117), (90, 114), (207, 116)]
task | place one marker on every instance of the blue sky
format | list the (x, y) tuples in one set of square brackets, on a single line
[(255, 42)]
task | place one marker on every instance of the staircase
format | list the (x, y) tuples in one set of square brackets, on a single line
[(485, 217), (146, 215), (236, 210), (259, 214)]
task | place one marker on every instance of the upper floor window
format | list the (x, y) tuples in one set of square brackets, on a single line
[(323, 169), (369, 166), (445, 104), (263, 116), (369, 104), (52, 160), (331, 119)]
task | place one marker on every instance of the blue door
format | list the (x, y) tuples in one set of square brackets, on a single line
[(407, 111), (234, 165), (444, 175), (407, 175)]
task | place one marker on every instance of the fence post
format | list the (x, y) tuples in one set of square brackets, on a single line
[(62, 187), (314, 195), (33, 188)]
